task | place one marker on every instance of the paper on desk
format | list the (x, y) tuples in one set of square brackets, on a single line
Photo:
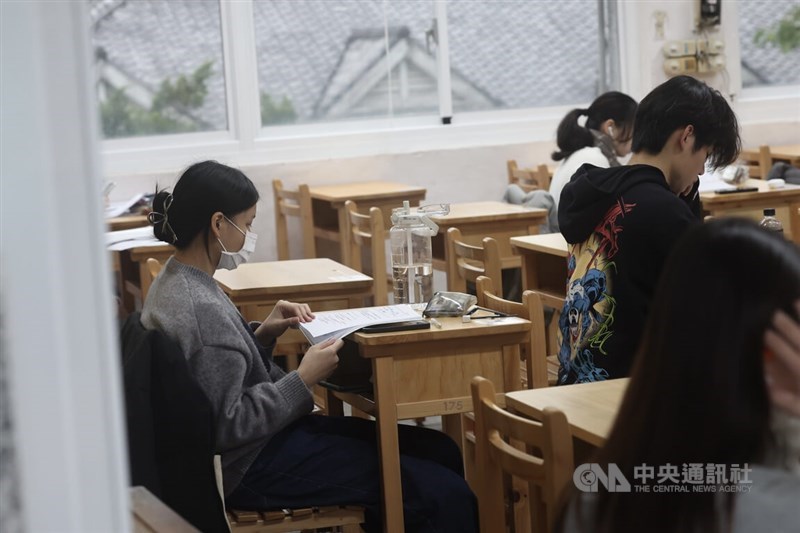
[(131, 238), (712, 181), (115, 209), (337, 324)]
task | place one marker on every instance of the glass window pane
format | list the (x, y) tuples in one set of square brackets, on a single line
[(159, 66), (511, 54), (770, 42), (322, 60)]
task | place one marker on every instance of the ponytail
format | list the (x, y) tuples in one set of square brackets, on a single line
[(613, 105), (571, 136)]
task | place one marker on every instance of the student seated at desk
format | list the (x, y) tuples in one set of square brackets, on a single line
[(274, 454), (723, 338), (621, 223), (604, 137)]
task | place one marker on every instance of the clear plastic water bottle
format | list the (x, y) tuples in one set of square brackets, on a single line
[(770, 222), (412, 257)]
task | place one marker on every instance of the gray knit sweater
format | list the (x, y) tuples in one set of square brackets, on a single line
[(250, 402)]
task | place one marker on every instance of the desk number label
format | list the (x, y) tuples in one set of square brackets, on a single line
[(453, 405)]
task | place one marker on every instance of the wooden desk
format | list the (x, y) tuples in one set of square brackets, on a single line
[(330, 217), (760, 160), (322, 283), (133, 278), (786, 202), (789, 153), (477, 220), (427, 372), (126, 222), (544, 262), (590, 407)]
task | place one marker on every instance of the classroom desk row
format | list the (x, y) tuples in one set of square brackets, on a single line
[(475, 219)]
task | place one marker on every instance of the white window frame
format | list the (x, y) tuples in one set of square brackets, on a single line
[(247, 142)]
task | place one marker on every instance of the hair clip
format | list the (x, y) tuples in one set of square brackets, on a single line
[(154, 217)]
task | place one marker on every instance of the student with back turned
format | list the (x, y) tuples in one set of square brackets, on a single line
[(621, 223)]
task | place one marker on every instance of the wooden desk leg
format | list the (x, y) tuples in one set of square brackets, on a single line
[(388, 447), (345, 251), (453, 426), (530, 271)]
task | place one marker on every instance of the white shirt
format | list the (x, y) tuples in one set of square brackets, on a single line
[(568, 167)]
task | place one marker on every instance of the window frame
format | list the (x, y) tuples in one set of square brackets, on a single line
[(246, 141)]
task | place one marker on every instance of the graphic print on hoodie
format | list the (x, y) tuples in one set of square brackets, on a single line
[(620, 224)]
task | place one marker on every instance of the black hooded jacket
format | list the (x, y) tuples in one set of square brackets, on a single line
[(621, 224)]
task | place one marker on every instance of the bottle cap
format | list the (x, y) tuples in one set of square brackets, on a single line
[(769, 212)]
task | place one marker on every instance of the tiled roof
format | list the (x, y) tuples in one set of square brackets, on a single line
[(154, 41), (766, 63)]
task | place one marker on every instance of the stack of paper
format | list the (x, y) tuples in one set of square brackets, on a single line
[(131, 238), (337, 324), (116, 209)]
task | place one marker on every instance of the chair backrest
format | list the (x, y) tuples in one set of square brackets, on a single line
[(293, 204), (539, 452), (153, 267), (368, 231), (533, 352), (545, 343), (758, 162), (169, 420), (529, 179), (171, 443), (465, 262)]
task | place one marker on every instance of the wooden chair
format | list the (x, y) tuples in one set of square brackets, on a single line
[(368, 231), (465, 262), (293, 204), (344, 519), (545, 343), (539, 452), (529, 179), (533, 351), (153, 267), (199, 471), (151, 515), (758, 162)]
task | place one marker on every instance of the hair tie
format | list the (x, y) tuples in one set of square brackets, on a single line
[(162, 218)]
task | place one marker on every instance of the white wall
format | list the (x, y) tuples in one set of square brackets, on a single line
[(58, 320)]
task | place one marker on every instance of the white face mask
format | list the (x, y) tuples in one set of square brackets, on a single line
[(231, 260)]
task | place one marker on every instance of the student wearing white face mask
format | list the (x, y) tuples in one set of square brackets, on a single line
[(274, 455)]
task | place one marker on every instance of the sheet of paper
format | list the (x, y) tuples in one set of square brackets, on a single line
[(131, 238), (711, 181), (135, 234), (116, 209), (328, 324)]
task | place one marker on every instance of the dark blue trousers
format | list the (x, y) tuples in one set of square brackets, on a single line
[(321, 460)]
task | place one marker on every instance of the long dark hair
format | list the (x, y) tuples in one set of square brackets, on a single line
[(202, 190), (613, 105), (697, 391), (679, 102)]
